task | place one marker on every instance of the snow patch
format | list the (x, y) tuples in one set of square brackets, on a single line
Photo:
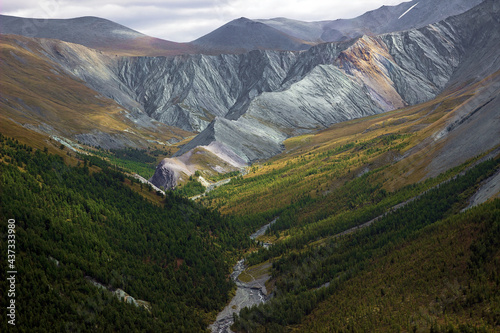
[(415, 5)]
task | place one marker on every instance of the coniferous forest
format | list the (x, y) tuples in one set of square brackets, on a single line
[(80, 224), (311, 278), (86, 230)]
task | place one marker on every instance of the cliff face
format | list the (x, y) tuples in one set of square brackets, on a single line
[(190, 91)]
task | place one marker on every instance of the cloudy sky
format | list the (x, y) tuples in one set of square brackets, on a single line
[(186, 20)]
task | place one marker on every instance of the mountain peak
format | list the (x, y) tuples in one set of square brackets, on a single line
[(243, 35), (243, 19)]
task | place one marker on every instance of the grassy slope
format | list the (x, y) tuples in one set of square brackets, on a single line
[(35, 91), (386, 277), (36, 140)]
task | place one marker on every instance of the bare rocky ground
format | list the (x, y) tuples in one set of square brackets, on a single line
[(490, 188), (247, 295)]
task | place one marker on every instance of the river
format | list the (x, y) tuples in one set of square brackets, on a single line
[(247, 293)]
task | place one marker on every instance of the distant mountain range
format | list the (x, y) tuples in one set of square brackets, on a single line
[(240, 35), (407, 15), (244, 34), (247, 86)]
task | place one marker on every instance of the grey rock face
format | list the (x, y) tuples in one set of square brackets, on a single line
[(190, 91), (424, 60), (165, 176), (326, 95), (247, 138)]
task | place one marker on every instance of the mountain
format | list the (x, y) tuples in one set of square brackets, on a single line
[(405, 16), (93, 32), (40, 94), (238, 36), (370, 168), (249, 103), (335, 82), (243, 35)]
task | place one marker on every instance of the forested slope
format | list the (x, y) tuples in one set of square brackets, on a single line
[(444, 278), (329, 283), (80, 224)]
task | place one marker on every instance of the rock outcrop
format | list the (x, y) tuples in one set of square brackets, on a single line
[(166, 174)]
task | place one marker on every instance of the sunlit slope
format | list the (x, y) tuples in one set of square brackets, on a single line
[(403, 147), (38, 94)]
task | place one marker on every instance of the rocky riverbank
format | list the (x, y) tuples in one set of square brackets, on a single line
[(247, 293)]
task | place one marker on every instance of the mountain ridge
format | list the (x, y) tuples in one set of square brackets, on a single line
[(245, 35), (404, 16), (255, 100), (93, 32)]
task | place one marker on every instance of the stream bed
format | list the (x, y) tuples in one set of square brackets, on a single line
[(247, 293)]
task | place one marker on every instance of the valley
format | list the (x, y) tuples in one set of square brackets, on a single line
[(271, 176)]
